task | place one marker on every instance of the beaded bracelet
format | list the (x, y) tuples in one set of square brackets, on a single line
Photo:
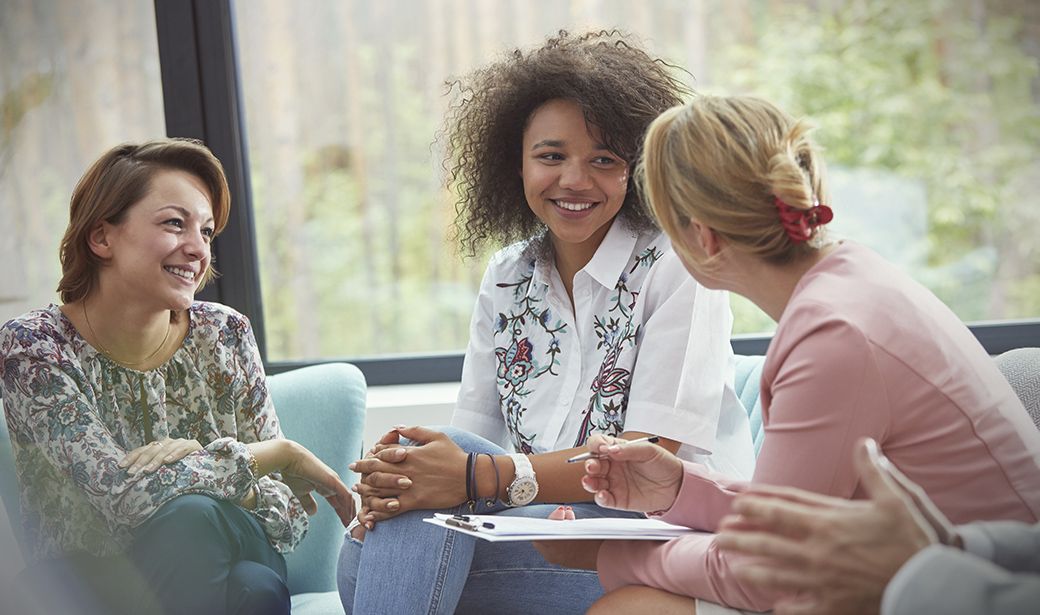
[(254, 467)]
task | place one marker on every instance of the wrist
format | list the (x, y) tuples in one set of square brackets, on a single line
[(273, 455), (491, 481), (249, 501)]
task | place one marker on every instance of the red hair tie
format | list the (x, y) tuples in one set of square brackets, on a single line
[(799, 223)]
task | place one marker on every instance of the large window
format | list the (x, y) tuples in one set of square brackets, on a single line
[(928, 112), (75, 79)]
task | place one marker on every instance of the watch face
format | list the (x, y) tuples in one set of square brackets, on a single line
[(522, 491)]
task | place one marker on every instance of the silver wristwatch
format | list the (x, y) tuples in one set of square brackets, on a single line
[(524, 487)]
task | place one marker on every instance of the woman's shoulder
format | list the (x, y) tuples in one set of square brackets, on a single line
[(522, 256), (39, 325), (651, 246), (43, 336), (218, 323), (857, 287), (209, 312), (841, 309), (661, 267)]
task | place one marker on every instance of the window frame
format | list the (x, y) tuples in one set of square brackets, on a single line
[(202, 99)]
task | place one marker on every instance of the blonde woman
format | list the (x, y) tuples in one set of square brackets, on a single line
[(861, 350)]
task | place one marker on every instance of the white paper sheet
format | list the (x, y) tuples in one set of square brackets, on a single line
[(497, 528)]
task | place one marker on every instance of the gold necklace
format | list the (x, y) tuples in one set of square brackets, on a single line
[(104, 351)]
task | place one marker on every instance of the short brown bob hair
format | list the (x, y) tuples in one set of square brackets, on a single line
[(120, 178)]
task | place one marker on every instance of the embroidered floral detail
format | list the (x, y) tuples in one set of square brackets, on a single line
[(646, 258), (514, 418), (546, 363), (617, 332), (605, 412), (514, 364)]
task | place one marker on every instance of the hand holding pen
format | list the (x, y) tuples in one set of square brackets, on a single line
[(631, 475), (591, 455)]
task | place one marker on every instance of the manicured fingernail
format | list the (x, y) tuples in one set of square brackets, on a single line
[(561, 507), (354, 488), (353, 466), (369, 527), (168, 458), (404, 482), (393, 505)]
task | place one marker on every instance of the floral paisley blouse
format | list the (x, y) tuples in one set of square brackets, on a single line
[(645, 348), (73, 414)]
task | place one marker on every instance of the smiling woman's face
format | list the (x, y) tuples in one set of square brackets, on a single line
[(160, 250), (572, 182)]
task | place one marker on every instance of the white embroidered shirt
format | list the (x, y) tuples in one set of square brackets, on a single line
[(645, 348)]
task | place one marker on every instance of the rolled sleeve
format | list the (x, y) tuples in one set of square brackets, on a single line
[(277, 509), (678, 387)]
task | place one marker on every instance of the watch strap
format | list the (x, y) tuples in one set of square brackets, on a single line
[(521, 466)]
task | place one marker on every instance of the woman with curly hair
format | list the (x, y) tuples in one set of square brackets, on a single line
[(585, 324)]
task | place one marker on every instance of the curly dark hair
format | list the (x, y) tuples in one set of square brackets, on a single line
[(620, 88)]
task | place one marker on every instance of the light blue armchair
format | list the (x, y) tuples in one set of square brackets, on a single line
[(747, 381), (323, 408)]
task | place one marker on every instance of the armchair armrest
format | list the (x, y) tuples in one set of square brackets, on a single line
[(323, 408)]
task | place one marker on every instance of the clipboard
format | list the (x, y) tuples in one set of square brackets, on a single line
[(503, 528)]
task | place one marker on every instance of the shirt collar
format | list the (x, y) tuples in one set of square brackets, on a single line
[(613, 254), (607, 264), (541, 276)]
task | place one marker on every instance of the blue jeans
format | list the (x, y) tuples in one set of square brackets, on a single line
[(408, 566), (195, 555)]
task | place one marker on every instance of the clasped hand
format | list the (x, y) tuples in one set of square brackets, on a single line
[(396, 478)]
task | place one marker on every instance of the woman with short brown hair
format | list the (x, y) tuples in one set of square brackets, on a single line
[(153, 472)]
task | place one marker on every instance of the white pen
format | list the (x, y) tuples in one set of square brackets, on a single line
[(591, 455)]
